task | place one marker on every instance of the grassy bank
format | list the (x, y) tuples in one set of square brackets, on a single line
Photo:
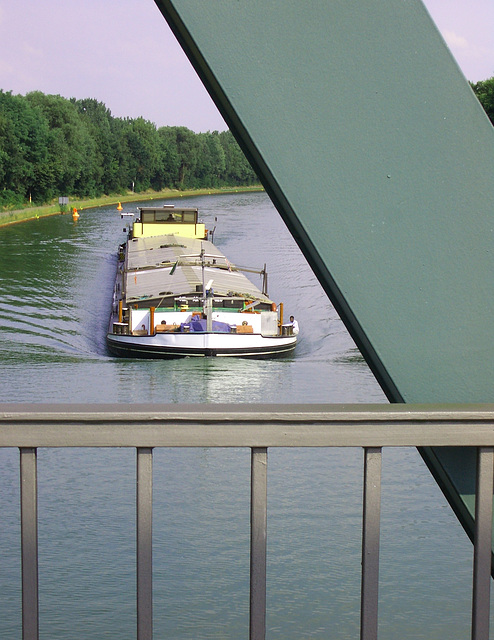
[(30, 213)]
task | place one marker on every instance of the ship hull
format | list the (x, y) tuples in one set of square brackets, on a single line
[(200, 345)]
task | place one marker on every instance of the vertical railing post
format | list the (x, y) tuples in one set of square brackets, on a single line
[(144, 531), (29, 543), (370, 543), (258, 543), (482, 544)]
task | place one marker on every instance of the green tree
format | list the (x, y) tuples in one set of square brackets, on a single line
[(187, 150), (168, 161), (71, 148), (123, 174), (24, 162), (140, 142), (210, 167), (484, 90), (97, 120), (237, 167)]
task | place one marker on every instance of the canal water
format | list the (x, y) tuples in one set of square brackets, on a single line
[(56, 280)]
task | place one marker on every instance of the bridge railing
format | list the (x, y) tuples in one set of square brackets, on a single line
[(257, 427)]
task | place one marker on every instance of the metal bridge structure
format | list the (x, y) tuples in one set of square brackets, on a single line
[(380, 160), (258, 428)]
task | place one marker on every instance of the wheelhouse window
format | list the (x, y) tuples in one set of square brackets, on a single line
[(173, 216), (147, 217)]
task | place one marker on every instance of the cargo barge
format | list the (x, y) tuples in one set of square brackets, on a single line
[(177, 295)]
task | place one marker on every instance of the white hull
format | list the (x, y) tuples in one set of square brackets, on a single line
[(176, 345)]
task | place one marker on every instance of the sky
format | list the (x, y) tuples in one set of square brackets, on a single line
[(122, 53)]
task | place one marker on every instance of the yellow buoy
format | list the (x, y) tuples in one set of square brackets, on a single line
[(75, 214), (119, 208)]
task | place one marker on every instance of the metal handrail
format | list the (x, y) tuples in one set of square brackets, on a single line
[(257, 427)]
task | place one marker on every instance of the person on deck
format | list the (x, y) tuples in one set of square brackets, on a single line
[(294, 324)]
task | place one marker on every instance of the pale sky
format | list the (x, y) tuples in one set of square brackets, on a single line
[(122, 53)]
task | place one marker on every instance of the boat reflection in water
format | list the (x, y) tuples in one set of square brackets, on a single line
[(177, 295)]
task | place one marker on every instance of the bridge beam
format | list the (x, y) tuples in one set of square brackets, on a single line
[(380, 160)]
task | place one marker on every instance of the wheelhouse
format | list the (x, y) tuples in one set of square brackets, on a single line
[(168, 219)]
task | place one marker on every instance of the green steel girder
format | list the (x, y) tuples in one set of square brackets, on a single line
[(380, 160)]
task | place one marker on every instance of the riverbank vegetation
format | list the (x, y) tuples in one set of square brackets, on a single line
[(51, 146), (31, 211)]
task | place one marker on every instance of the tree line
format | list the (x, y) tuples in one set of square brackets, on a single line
[(52, 146)]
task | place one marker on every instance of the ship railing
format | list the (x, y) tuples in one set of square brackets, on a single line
[(257, 427)]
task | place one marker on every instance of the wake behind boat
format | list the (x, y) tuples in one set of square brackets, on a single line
[(177, 295)]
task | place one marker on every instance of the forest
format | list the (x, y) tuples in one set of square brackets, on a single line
[(52, 146)]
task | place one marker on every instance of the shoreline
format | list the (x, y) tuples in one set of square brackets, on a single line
[(32, 213)]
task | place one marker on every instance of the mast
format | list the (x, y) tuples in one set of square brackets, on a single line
[(207, 298)]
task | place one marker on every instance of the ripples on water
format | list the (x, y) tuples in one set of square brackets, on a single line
[(57, 279)]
